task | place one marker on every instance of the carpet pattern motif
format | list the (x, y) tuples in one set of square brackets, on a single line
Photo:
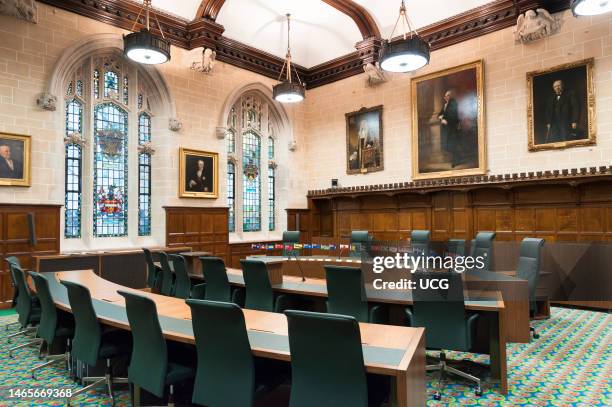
[(569, 365)]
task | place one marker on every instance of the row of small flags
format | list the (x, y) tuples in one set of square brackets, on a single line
[(329, 247)]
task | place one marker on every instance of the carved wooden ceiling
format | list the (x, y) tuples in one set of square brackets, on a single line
[(206, 31)]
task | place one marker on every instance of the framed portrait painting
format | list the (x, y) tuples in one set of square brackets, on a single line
[(448, 130), (15, 153), (561, 106), (364, 141), (198, 174)]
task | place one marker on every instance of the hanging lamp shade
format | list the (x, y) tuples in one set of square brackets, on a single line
[(143, 46), (407, 54), (287, 90), (590, 7)]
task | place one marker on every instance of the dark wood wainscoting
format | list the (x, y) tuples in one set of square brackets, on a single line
[(204, 229), (19, 239)]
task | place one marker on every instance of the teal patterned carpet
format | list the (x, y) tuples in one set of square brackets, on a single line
[(570, 365)]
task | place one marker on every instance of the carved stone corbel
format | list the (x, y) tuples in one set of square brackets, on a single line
[(175, 124), (47, 101), (220, 132)]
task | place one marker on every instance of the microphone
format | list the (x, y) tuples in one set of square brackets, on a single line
[(299, 264), (340, 252)]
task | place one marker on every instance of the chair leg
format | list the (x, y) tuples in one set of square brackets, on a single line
[(171, 397), (467, 376), (22, 332), (23, 345), (96, 381), (11, 324), (438, 394), (50, 360), (535, 335)]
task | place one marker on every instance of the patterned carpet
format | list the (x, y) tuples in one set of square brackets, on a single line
[(570, 365)]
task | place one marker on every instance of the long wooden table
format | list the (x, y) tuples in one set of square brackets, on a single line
[(388, 350)]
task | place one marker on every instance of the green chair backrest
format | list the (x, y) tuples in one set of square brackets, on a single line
[(225, 374), (151, 269), (167, 282), (149, 361), (259, 294), (13, 261), (360, 241), (87, 330), (528, 267), (24, 300), (48, 316), (289, 238), (218, 287), (456, 247), (441, 312), (346, 292), (327, 368), (182, 282), (482, 246), (419, 241)]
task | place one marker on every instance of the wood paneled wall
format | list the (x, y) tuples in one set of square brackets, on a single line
[(554, 211), (15, 239), (201, 228)]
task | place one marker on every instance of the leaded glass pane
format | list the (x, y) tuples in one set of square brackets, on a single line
[(73, 178), (79, 88), (139, 101), (110, 171), (231, 141), (231, 194), (125, 91), (251, 155), (271, 198), (96, 83), (111, 84), (69, 89), (144, 177), (270, 148)]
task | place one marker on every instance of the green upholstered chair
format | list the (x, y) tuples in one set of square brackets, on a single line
[(12, 260), (360, 241), (482, 246), (217, 286), (456, 247), (528, 268), (153, 271), (167, 275), (327, 367), (259, 293), (182, 282), (91, 343), (290, 237), (149, 367), (51, 326), (447, 324), (346, 295), (28, 310), (225, 374), (419, 241)]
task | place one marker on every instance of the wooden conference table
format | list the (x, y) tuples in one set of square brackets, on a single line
[(388, 350), (489, 304)]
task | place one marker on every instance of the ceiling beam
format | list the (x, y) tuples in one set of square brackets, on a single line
[(209, 9), (362, 18)]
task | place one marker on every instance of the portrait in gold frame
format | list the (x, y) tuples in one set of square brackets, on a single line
[(561, 106), (448, 125), (198, 174), (15, 156)]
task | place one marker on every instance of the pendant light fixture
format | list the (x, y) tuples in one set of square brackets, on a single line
[(407, 54), (288, 91), (590, 7), (144, 47)]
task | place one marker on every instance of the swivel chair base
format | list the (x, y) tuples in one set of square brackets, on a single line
[(107, 379), (52, 359), (443, 367)]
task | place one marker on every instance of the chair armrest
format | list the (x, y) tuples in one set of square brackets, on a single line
[(238, 296), (471, 328), (408, 313), (198, 291), (378, 314)]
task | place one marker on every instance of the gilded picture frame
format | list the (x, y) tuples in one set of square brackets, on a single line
[(198, 174), (15, 160), (561, 106), (448, 122), (364, 140)]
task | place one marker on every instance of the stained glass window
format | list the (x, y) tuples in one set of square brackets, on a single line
[(231, 141), (231, 194), (251, 206), (271, 198), (270, 148), (144, 177), (139, 101), (69, 89), (110, 214), (96, 83), (111, 84), (74, 124), (125, 90), (79, 88)]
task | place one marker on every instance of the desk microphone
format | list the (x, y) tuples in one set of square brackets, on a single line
[(299, 264), (340, 252)]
